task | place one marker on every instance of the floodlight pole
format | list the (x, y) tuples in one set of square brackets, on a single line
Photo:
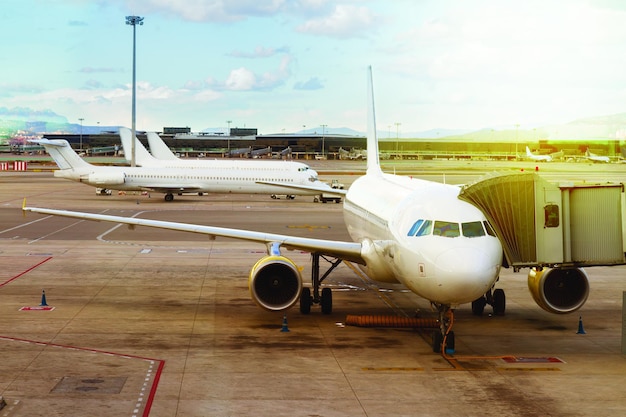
[(81, 132), (229, 122), (133, 21)]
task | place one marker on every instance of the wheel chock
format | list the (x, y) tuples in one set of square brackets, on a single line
[(581, 330)]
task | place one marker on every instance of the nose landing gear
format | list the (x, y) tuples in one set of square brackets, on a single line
[(443, 339)]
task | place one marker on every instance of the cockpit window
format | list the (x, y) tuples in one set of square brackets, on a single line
[(446, 229), (489, 229), (425, 229), (450, 229), (473, 229), (415, 226)]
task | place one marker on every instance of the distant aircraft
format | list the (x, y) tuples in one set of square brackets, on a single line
[(406, 230), (538, 158), (170, 177), (595, 158)]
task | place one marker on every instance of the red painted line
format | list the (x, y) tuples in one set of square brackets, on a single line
[(25, 272), (155, 383), (157, 375)]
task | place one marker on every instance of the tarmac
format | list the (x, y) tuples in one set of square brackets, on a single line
[(158, 323)]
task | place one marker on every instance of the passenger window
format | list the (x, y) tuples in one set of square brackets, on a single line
[(489, 229), (473, 229), (426, 228), (446, 229), (415, 226)]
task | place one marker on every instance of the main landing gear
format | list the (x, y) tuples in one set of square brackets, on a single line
[(169, 197), (443, 339), (496, 299), (325, 300)]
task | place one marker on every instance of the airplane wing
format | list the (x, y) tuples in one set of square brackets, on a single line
[(350, 251), (161, 188), (324, 190)]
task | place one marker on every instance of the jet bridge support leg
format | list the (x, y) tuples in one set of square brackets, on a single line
[(325, 298)]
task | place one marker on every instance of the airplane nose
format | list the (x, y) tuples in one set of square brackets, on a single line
[(465, 274)]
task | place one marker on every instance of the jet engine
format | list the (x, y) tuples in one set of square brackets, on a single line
[(275, 283), (559, 290), (106, 179)]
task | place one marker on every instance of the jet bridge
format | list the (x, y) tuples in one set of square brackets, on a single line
[(552, 224)]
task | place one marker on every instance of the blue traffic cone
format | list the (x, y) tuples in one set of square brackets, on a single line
[(43, 298), (581, 330), (284, 328)]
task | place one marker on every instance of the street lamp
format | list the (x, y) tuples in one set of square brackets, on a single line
[(133, 21), (323, 137), (81, 133), (229, 122), (397, 134)]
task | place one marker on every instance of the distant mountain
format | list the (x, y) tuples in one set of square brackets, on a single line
[(611, 126), (18, 119)]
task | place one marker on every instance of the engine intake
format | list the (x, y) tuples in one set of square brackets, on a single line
[(559, 290), (106, 178), (275, 283)]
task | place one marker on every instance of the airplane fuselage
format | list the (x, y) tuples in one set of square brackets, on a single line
[(419, 233), (219, 179)]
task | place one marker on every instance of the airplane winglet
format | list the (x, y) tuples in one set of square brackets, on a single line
[(24, 207)]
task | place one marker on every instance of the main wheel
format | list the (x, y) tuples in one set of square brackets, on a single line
[(305, 300), (327, 301), (478, 306), (499, 302), (169, 197)]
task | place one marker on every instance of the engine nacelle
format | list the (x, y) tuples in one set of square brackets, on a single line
[(559, 290), (106, 179), (275, 283)]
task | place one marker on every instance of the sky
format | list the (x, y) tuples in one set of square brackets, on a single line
[(292, 65)]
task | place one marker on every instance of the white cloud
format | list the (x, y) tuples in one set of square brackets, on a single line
[(345, 21), (240, 79)]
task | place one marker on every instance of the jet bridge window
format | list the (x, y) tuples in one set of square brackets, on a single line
[(446, 229), (473, 229), (551, 213)]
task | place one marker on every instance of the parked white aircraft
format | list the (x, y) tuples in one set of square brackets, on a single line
[(269, 168), (595, 158), (281, 178), (538, 158), (406, 230)]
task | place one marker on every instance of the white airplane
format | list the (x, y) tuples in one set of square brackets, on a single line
[(290, 178), (538, 158), (145, 159), (595, 158), (404, 230)]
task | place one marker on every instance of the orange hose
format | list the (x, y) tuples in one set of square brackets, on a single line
[(392, 322)]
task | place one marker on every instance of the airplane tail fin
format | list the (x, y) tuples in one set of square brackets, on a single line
[(62, 153), (142, 156), (528, 152), (158, 148), (373, 158)]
